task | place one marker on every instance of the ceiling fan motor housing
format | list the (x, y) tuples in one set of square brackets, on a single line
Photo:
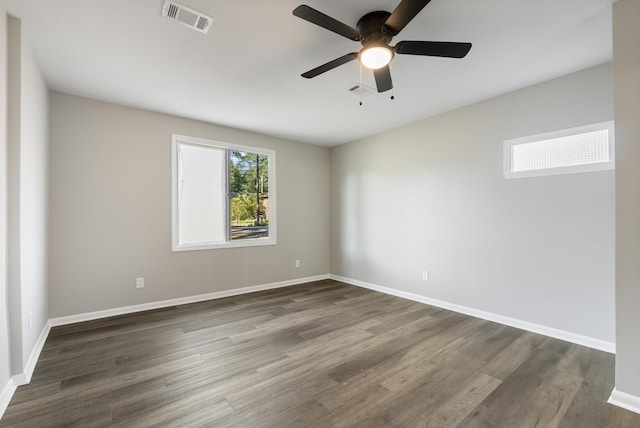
[(373, 30)]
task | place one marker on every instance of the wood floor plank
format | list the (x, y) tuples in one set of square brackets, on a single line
[(502, 365), (415, 402), (317, 355), (589, 408), (268, 400), (171, 413), (517, 393), (421, 370), (552, 399), (453, 409), (300, 416)]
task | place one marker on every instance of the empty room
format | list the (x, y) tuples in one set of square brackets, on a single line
[(389, 213)]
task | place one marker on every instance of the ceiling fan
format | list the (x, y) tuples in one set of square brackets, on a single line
[(375, 31)]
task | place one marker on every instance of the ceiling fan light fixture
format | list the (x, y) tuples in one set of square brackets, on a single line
[(375, 57)]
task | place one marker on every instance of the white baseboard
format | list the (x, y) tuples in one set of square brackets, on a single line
[(25, 378), (90, 316), (6, 394), (624, 400), (513, 322)]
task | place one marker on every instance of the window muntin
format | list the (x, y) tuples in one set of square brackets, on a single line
[(582, 149), (223, 195)]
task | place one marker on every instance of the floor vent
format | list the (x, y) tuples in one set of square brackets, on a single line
[(186, 16)]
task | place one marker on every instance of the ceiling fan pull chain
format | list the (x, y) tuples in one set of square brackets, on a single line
[(393, 97), (360, 83)]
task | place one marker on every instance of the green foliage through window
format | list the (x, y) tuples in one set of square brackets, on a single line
[(249, 193)]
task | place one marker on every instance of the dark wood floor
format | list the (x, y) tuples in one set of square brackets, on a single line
[(322, 354)]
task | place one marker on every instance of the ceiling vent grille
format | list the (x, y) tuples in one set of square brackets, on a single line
[(186, 16), (361, 91)]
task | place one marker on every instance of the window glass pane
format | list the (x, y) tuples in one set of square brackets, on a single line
[(581, 149), (249, 195), (201, 194)]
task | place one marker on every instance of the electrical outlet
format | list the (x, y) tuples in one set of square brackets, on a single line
[(139, 282), (425, 275), (297, 263)]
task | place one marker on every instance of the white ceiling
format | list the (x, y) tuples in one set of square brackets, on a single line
[(245, 73)]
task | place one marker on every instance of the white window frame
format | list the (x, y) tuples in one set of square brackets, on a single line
[(176, 139), (574, 169)]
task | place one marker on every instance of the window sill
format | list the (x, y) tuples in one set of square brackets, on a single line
[(259, 242)]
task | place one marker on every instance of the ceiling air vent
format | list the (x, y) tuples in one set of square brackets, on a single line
[(362, 91), (186, 16)]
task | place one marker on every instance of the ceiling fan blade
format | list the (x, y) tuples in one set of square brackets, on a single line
[(404, 13), (315, 17), (383, 78), (330, 65), (443, 49)]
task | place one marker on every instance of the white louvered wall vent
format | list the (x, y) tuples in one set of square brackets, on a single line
[(186, 16)]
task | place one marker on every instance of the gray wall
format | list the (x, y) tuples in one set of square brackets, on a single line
[(626, 56), (5, 359), (431, 196), (111, 211), (34, 201), (28, 135)]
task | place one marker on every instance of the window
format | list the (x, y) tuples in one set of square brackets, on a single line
[(223, 195), (583, 149)]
